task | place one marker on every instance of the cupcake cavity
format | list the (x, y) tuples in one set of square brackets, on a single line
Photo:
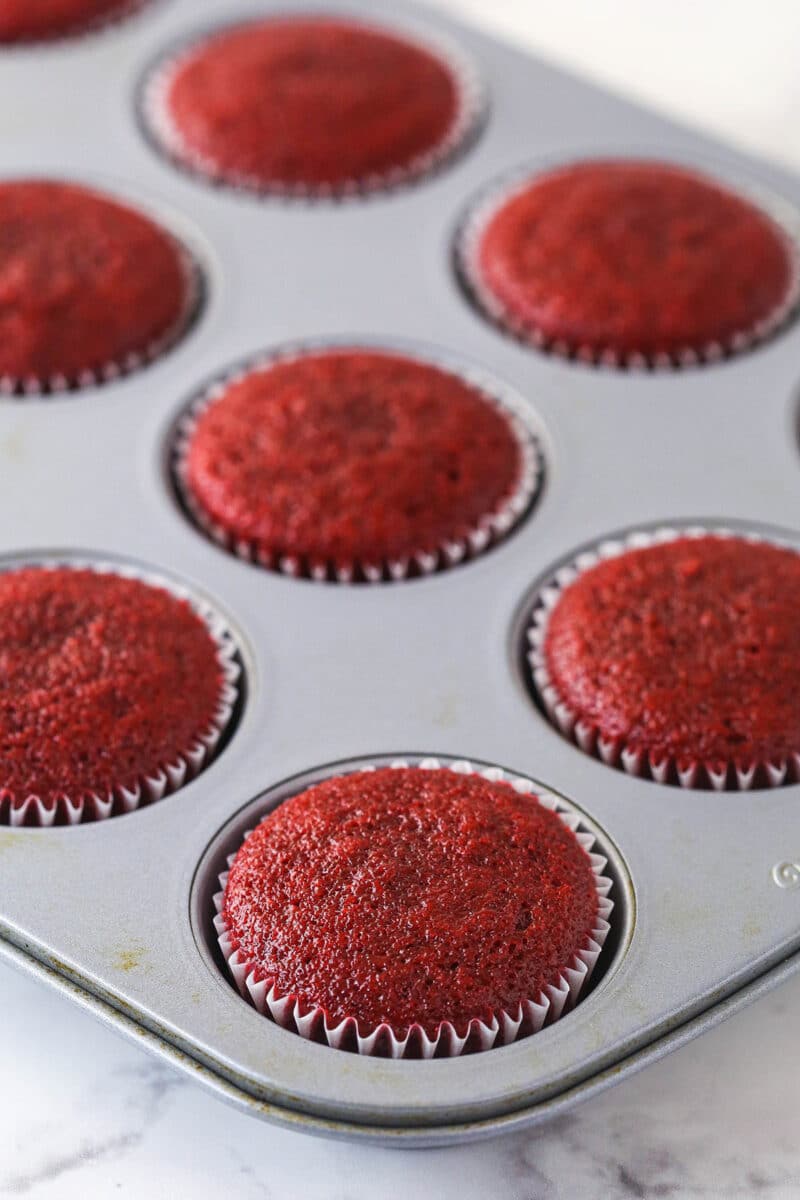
[(115, 691), (355, 464), (629, 263), (311, 106), (486, 925), (91, 289), (675, 655)]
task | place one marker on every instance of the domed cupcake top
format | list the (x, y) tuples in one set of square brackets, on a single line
[(43, 20), (310, 104), (410, 897), (88, 287), (685, 652), (105, 681), (355, 458), (630, 260)]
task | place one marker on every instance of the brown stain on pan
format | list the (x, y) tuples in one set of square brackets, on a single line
[(130, 958), (12, 447)]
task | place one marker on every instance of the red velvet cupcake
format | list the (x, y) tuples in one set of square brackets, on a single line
[(676, 657), (89, 288), (630, 263), (113, 692), (311, 105), (24, 21), (415, 911), (351, 463)]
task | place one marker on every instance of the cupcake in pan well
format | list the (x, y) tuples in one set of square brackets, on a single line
[(311, 105), (415, 911), (676, 656), (629, 263), (24, 21), (89, 288), (114, 691), (349, 463)]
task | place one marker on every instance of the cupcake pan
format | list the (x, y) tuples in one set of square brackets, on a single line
[(118, 913)]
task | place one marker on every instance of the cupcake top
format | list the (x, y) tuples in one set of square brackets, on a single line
[(350, 457), (104, 681), (308, 104), (629, 259), (87, 285), (687, 650), (410, 896), (41, 20)]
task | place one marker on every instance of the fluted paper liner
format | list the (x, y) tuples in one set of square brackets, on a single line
[(530, 1015), (467, 251), (466, 123), (166, 777), (491, 528), (729, 776)]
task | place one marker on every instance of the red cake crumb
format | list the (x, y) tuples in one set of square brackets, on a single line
[(84, 282), (633, 258), (350, 456), (410, 896), (103, 680), (315, 102), (40, 20), (688, 650)]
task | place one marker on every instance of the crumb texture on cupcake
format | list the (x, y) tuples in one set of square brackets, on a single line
[(685, 652), (42, 20), (631, 259), (88, 286), (350, 457), (105, 681), (309, 103), (411, 897)]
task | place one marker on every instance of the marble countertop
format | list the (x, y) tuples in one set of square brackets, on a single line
[(85, 1114)]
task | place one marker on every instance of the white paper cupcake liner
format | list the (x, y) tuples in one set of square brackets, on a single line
[(165, 777), (467, 259), (530, 1015), (584, 733), (59, 384), (467, 123), (491, 529)]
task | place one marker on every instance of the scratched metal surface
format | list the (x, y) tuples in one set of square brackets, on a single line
[(429, 666)]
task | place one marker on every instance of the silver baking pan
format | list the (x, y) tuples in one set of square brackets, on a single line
[(118, 913)]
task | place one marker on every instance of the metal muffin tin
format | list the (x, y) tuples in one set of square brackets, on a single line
[(118, 913)]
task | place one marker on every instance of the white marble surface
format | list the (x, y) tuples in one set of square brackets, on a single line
[(84, 1114), (730, 67)]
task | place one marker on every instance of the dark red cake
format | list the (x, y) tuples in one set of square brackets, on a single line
[(42, 20), (632, 259), (349, 457), (86, 284), (411, 896), (309, 103), (688, 651), (103, 681)]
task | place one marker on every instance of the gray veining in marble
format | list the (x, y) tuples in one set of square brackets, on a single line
[(84, 1114)]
